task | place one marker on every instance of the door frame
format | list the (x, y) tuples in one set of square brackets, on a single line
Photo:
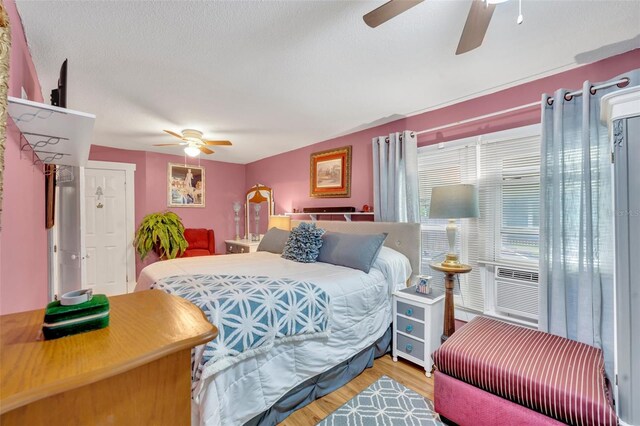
[(130, 201)]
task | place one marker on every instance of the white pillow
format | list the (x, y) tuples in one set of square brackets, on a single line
[(395, 266)]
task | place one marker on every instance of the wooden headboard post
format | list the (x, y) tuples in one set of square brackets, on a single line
[(403, 237)]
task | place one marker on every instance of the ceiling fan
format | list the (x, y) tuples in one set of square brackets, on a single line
[(474, 29), (194, 142)]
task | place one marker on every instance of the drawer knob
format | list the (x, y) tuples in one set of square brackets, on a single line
[(409, 312), (409, 328), (409, 347)]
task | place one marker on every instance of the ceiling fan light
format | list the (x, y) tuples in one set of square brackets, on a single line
[(192, 151)]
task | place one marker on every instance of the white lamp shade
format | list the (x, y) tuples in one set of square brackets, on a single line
[(192, 151), (280, 222), (454, 202)]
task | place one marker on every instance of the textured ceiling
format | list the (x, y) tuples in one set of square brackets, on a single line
[(273, 76)]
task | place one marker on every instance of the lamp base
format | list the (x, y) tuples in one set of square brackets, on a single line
[(451, 261)]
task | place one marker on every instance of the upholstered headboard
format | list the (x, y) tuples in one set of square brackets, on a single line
[(403, 237)]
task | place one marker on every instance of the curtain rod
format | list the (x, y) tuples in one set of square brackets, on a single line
[(400, 136), (481, 117), (623, 82)]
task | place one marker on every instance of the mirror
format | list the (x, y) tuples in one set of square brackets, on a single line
[(258, 207)]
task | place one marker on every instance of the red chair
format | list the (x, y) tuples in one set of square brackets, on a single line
[(202, 242)]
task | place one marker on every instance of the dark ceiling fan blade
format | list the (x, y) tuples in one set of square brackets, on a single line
[(388, 10), (167, 144), (174, 134), (205, 150), (476, 26), (218, 143)]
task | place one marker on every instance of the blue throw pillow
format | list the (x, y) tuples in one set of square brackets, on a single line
[(304, 243), (274, 241), (357, 251)]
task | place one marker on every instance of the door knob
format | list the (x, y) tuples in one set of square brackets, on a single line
[(74, 257)]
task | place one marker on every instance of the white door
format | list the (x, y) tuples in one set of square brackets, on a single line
[(105, 235)]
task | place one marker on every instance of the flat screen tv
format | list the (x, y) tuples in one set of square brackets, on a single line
[(59, 95)]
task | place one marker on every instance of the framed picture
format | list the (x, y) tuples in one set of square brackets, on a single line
[(185, 186), (331, 173)]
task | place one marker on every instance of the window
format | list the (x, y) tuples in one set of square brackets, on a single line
[(454, 163), (505, 167), (509, 188)]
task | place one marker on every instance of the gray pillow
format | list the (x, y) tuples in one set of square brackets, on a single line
[(274, 240), (357, 251)]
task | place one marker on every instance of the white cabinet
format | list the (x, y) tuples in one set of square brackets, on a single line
[(417, 326)]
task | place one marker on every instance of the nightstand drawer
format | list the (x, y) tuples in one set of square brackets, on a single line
[(237, 248), (410, 346), (408, 326), (411, 311), (241, 246)]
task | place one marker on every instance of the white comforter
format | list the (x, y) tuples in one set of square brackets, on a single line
[(360, 314)]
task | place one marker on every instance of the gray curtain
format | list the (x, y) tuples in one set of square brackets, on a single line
[(395, 178), (576, 221)]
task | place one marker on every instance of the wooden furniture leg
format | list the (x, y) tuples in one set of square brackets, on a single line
[(449, 325), (450, 272)]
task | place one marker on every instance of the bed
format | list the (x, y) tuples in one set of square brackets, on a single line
[(265, 387)]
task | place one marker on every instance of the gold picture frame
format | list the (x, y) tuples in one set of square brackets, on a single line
[(330, 173), (185, 185)]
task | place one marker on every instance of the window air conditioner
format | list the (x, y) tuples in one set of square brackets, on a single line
[(516, 292)]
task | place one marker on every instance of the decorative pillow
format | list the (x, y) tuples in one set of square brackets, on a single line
[(357, 251), (304, 243), (274, 241)]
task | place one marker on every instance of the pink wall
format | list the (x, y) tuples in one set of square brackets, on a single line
[(23, 238), (224, 184), (288, 173)]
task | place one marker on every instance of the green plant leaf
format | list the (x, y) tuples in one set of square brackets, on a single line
[(163, 232)]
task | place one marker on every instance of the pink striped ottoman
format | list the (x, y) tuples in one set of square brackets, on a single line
[(491, 372)]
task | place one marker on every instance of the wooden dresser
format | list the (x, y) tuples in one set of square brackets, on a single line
[(137, 371)]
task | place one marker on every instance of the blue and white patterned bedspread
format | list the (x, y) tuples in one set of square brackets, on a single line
[(251, 313)]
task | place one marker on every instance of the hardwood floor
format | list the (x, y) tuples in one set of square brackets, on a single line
[(410, 375)]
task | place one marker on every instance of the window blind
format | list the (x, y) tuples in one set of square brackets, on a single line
[(506, 172), (509, 190), (448, 166)]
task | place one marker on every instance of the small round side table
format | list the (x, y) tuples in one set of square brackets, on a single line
[(450, 272)]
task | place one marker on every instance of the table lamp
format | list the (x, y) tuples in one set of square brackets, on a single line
[(280, 222), (453, 202)]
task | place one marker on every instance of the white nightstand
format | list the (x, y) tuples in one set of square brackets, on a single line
[(241, 246), (417, 325)]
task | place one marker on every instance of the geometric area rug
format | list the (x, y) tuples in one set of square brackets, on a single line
[(384, 403)]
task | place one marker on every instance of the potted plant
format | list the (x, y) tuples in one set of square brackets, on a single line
[(162, 233)]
